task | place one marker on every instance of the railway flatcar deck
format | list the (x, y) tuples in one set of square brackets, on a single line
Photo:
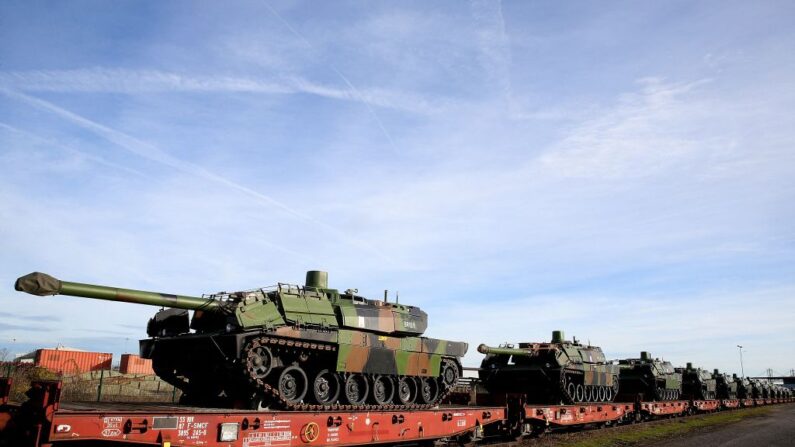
[(48, 422), (44, 421)]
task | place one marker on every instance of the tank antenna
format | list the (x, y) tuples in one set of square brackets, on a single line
[(397, 297), (386, 295)]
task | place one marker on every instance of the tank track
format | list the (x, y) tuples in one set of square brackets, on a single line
[(565, 378), (319, 347)]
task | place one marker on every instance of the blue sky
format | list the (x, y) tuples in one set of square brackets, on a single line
[(621, 171)]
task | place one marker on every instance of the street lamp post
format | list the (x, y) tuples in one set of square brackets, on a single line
[(742, 371)]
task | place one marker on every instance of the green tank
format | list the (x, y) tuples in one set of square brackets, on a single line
[(745, 388), (295, 347), (646, 378), (785, 392), (697, 383), (550, 373), (767, 389), (776, 390), (725, 386)]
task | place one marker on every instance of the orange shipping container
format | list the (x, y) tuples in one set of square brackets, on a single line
[(133, 364), (72, 362)]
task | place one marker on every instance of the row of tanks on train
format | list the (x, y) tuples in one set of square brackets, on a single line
[(568, 372), (312, 347)]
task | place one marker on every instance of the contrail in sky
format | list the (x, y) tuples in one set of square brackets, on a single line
[(340, 75), (53, 143), (152, 152)]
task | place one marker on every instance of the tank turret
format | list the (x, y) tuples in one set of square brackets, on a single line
[(290, 346), (554, 372)]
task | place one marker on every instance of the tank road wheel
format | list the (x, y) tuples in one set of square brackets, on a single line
[(259, 362), (608, 394), (659, 394), (326, 387), (571, 390), (383, 390), (580, 393), (356, 388), (602, 394), (292, 384), (429, 390), (449, 373), (406, 391)]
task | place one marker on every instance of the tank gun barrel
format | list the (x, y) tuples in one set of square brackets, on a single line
[(42, 284), (483, 349)]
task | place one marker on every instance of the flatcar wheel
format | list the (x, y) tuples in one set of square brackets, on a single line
[(580, 393), (326, 387), (356, 389), (406, 391), (383, 390), (429, 390), (293, 384)]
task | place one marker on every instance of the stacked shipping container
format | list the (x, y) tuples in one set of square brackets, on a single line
[(65, 361)]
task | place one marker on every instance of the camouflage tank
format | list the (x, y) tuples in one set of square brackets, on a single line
[(778, 391), (560, 371), (725, 386), (747, 388), (758, 389), (697, 383), (295, 347), (646, 378), (786, 393), (767, 392)]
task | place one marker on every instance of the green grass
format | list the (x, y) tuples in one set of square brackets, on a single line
[(643, 434)]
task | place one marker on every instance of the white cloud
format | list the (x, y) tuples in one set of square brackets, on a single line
[(151, 152)]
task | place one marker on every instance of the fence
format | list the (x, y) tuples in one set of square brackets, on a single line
[(96, 386)]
